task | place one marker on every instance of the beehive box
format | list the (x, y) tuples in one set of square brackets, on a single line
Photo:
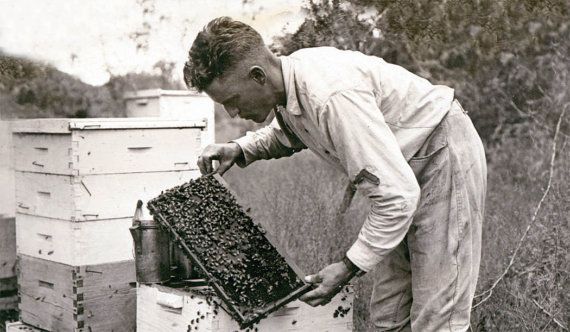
[(8, 296), (89, 169), (168, 309), (20, 327), (91, 197), (172, 104), (8, 285), (74, 243), (6, 171), (60, 297)]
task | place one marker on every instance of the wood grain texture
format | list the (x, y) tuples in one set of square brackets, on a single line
[(162, 308), (84, 243), (60, 297), (91, 197)]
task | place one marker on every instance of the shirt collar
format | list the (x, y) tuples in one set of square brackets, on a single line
[(293, 106)]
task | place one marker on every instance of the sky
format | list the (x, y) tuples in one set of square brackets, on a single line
[(92, 39)]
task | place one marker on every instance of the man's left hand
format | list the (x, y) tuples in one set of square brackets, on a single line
[(329, 282)]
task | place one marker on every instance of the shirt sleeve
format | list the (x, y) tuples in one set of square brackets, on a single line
[(370, 154), (266, 143)]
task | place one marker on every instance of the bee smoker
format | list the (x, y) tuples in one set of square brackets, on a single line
[(152, 256)]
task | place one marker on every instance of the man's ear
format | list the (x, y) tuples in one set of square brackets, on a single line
[(257, 74)]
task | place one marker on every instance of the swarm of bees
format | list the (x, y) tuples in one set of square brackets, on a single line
[(232, 248)]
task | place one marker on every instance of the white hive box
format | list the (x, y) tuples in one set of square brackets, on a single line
[(8, 286), (20, 327), (91, 197), (6, 171), (162, 308), (75, 243), (172, 104), (92, 169)]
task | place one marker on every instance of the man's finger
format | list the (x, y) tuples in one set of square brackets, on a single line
[(319, 301), (224, 166), (201, 165), (205, 162), (314, 279), (314, 294), (313, 303)]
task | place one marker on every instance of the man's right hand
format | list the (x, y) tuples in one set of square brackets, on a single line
[(227, 154)]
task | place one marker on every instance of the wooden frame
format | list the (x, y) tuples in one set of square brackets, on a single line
[(244, 321)]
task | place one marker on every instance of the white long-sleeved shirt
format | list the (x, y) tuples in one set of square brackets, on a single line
[(367, 117)]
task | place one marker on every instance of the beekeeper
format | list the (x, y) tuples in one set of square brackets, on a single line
[(403, 142)]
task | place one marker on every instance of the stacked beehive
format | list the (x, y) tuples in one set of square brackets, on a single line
[(77, 183), (8, 286)]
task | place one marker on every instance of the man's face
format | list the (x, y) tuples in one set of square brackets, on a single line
[(243, 94)]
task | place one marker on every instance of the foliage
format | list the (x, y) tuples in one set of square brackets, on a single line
[(29, 89), (496, 54)]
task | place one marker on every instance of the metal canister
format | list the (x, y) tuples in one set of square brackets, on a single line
[(152, 257)]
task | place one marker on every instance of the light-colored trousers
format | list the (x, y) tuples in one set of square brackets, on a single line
[(427, 283)]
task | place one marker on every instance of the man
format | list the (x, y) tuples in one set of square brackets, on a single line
[(405, 143)]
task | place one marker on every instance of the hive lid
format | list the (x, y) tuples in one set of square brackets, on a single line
[(66, 125)]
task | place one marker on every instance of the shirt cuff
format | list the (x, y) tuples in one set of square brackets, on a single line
[(248, 148), (362, 256)]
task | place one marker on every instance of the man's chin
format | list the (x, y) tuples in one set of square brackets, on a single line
[(259, 119)]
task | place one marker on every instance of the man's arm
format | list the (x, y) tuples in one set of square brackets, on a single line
[(374, 162), (266, 143)]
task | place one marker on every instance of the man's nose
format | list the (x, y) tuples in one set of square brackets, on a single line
[(232, 111)]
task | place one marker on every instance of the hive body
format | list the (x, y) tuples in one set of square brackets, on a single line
[(168, 309)]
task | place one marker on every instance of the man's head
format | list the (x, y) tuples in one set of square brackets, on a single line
[(229, 61)]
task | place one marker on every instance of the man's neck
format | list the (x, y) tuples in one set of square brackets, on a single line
[(277, 80)]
